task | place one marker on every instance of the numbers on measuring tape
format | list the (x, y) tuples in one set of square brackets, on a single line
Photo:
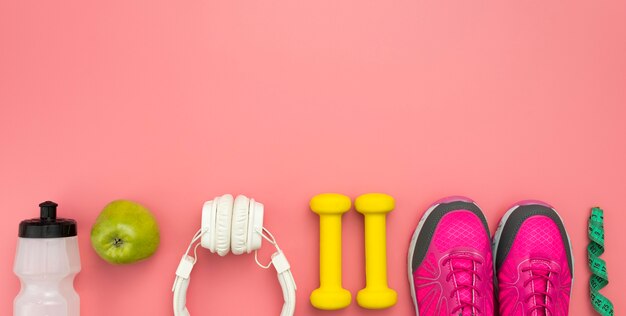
[(599, 278)]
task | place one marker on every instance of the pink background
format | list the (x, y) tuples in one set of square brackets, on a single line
[(172, 103)]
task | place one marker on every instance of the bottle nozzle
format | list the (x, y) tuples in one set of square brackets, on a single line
[(48, 211)]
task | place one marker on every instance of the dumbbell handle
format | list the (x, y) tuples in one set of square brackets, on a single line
[(330, 251), (376, 261)]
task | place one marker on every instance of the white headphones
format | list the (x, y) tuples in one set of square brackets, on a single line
[(235, 225)]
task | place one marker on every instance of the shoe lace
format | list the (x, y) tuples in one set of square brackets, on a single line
[(454, 271), (544, 274)]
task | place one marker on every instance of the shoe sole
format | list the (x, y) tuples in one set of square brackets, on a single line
[(498, 234)]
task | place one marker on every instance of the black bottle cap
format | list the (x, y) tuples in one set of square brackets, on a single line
[(47, 225)]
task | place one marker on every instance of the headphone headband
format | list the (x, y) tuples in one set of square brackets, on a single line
[(216, 234)]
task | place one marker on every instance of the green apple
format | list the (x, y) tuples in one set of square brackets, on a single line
[(125, 232)]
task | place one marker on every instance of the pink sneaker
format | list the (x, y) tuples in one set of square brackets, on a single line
[(534, 265), (450, 263)]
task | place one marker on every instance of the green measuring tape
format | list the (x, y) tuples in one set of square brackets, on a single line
[(599, 278)]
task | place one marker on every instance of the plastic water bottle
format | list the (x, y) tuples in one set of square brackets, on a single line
[(46, 262)]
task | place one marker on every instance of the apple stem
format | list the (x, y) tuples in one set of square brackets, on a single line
[(117, 242)]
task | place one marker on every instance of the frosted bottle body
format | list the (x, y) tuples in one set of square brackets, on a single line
[(46, 268)]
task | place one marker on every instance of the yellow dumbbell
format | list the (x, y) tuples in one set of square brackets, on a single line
[(376, 294), (330, 295)]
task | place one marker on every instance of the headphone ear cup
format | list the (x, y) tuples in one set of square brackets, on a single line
[(255, 226), (222, 224), (239, 229), (209, 215)]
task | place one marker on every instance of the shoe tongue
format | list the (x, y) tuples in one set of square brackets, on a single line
[(461, 277), (539, 285)]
